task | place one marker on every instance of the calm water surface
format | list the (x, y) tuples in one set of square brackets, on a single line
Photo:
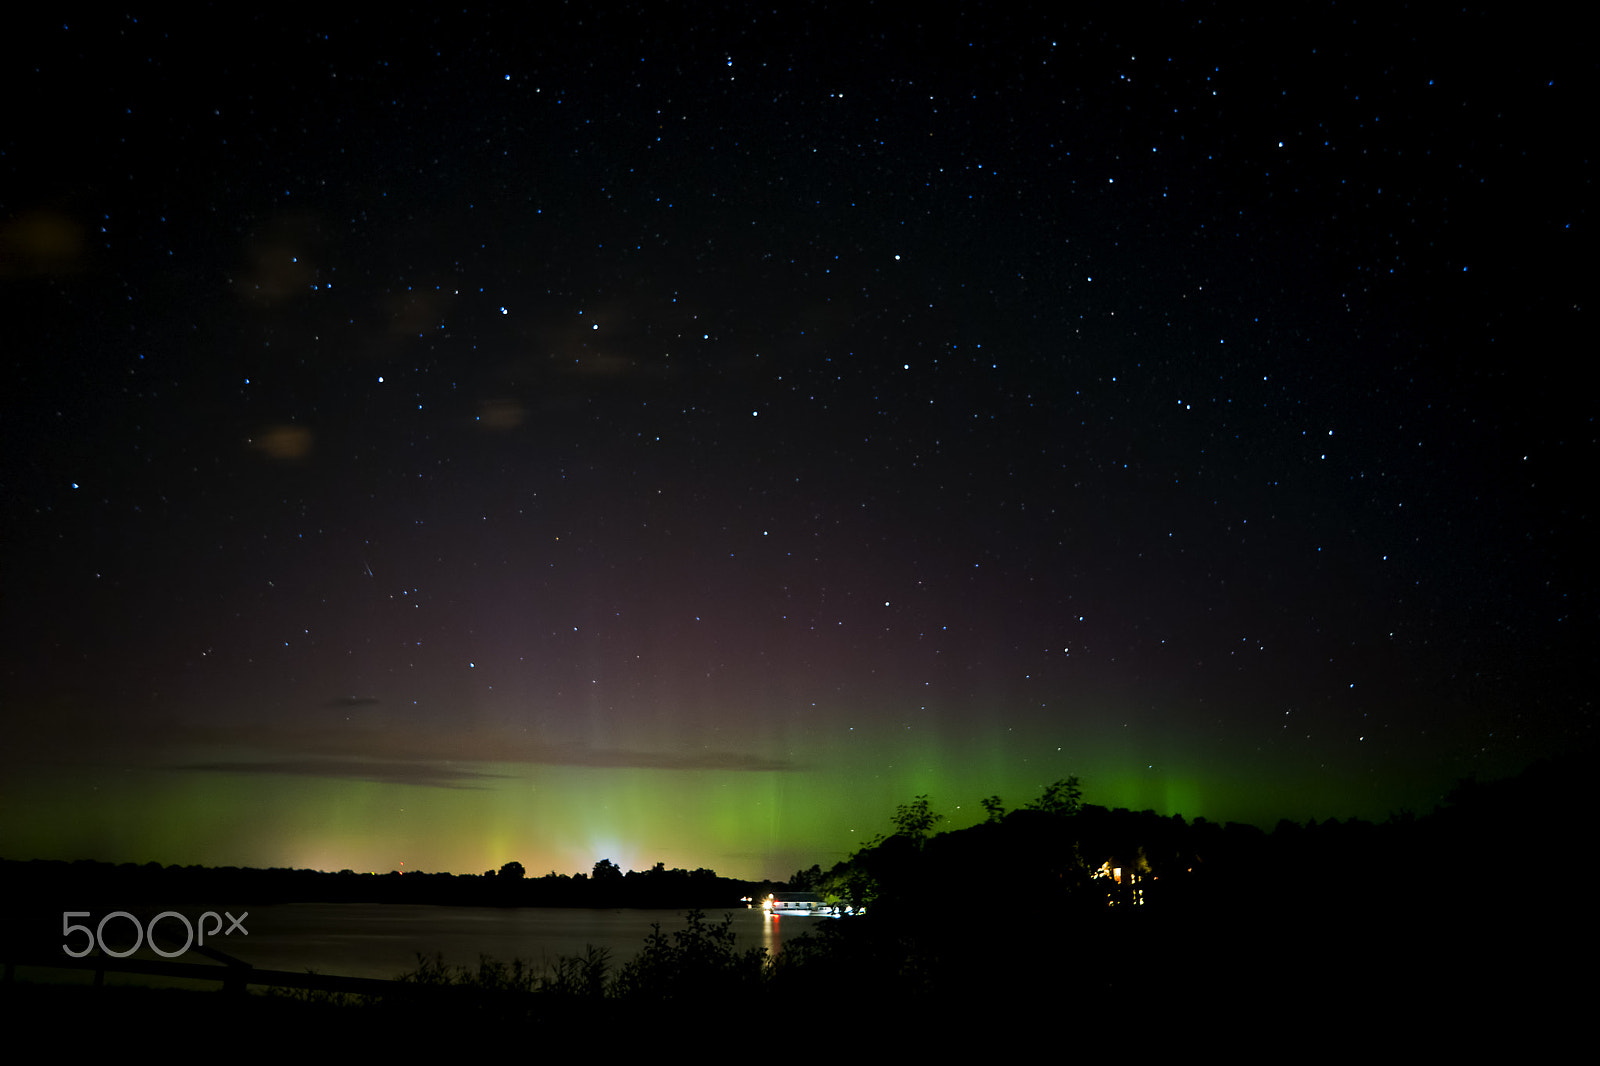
[(383, 940)]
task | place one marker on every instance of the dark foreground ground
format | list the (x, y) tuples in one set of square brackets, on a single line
[(1431, 983)]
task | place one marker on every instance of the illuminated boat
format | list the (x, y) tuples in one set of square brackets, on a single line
[(798, 904)]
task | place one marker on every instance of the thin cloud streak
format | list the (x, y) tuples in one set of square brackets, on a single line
[(429, 775), (435, 758)]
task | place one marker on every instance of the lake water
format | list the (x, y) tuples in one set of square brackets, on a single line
[(383, 940)]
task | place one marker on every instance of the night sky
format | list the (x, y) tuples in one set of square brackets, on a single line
[(645, 434)]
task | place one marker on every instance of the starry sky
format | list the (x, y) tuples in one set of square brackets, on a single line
[(684, 434)]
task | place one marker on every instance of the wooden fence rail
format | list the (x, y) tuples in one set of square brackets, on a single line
[(234, 975)]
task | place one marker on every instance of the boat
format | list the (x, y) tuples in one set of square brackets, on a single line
[(803, 905)]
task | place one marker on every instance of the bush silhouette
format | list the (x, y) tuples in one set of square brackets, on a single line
[(698, 960)]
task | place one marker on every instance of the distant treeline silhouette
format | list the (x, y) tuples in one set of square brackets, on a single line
[(86, 883)]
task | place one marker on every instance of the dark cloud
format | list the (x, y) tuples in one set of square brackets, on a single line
[(700, 760), (430, 756), (394, 773), (404, 753)]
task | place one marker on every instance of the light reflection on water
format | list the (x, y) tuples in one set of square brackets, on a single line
[(383, 940)]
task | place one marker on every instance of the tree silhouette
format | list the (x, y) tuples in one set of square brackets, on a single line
[(607, 872), (513, 870), (806, 879), (914, 819), (1062, 797)]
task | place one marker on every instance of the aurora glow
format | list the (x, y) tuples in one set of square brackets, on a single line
[(450, 443)]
